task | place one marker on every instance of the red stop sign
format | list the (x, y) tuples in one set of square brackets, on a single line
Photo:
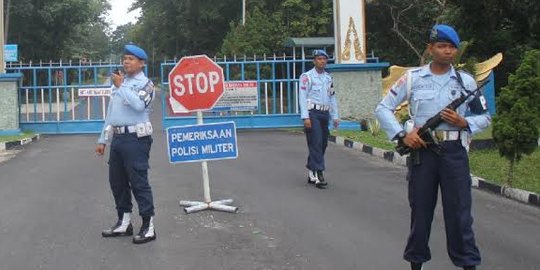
[(195, 83)]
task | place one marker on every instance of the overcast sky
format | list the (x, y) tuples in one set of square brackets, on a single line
[(119, 15)]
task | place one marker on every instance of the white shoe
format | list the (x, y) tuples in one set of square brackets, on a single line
[(312, 177)]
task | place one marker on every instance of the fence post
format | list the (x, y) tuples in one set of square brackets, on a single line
[(9, 103)]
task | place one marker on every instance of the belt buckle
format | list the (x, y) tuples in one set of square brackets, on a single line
[(439, 135)]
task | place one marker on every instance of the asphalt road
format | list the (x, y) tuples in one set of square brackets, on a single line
[(55, 200)]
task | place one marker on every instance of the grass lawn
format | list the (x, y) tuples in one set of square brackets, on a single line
[(489, 165), (484, 135), (379, 141), (484, 163), (16, 138)]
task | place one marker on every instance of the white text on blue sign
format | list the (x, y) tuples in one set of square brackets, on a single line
[(202, 142)]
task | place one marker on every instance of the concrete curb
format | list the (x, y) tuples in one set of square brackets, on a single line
[(477, 182), (5, 146)]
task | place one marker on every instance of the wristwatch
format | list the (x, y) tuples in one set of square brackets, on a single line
[(401, 135)]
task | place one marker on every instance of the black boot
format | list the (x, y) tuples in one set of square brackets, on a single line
[(122, 227), (147, 232), (322, 183), (416, 266)]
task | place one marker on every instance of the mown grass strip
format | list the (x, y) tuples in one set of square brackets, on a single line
[(17, 137)]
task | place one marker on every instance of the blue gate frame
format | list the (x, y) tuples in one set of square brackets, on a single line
[(277, 79), (48, 96), (49, 101)]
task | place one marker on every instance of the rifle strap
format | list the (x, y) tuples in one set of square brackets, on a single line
[(409, 91), (460, 81)]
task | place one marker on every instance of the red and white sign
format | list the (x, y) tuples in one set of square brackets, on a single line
[(195, 84)]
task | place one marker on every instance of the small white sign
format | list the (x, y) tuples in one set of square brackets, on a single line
[(95, 92), (239, 96)]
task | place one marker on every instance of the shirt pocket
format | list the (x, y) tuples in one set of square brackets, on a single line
[(316, 86), (424, 103)]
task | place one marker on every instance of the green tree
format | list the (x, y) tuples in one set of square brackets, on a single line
[(182, 27), (398, 30), (262, 34), (269, 23), (511, 27), (122, 35), (516, 125), (52, 29), (307, 18)]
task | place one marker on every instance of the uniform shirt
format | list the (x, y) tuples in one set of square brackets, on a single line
[(130, 103), (316, 88), (430, 93)]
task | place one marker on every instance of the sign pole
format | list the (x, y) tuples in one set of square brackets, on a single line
[(196, 84), (208, 204), (204, 165)]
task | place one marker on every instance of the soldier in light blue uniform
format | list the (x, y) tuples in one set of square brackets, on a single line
[(429, 89), (318, 106), (128, 129)]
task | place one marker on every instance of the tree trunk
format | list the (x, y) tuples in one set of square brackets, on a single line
[(510, 176)]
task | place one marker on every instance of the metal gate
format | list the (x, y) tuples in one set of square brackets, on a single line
[(277, 80), (51, 100)]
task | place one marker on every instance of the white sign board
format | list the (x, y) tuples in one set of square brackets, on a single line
[(95, 92), (350, 31), (239, 96)]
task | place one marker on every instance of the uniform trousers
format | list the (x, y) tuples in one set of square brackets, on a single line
[(449, 171), (317, 139), (128, 172)]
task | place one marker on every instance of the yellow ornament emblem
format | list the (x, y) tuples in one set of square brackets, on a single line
[(346, 54)]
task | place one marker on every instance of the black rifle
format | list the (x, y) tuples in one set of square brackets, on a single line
[(425, 131)]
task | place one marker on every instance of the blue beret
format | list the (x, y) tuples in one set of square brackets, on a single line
[(135, 50), (320, 53), (443, 32)]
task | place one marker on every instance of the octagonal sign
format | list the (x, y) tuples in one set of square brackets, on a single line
[(195, 84)]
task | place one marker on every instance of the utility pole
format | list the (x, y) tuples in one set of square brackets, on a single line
[(2, 63), (6, 28), (243, 12)]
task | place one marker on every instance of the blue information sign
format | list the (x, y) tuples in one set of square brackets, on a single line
[(202, 142), (10, 53)]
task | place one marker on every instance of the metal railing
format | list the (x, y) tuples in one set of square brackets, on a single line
[(49, 94), (49, 91)]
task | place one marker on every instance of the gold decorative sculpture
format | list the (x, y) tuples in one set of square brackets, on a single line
[(482, 71), (346, 54)]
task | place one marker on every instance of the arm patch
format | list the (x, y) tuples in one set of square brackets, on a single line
[(146, 94), (478, 105)]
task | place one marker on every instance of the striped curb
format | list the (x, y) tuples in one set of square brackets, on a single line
[(5, 146), (477, 182)]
